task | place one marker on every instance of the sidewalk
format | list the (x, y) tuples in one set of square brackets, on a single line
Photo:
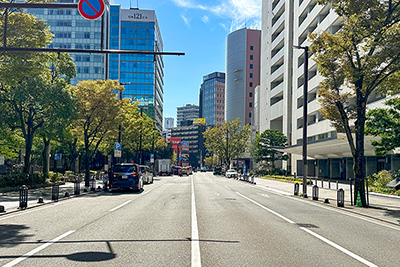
[(382, 207), (10, 200)]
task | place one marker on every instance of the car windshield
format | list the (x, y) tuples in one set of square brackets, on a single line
[(125, 169), (231, 171)]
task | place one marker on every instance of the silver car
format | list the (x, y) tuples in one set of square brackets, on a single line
[(146, 174), (231, 173)]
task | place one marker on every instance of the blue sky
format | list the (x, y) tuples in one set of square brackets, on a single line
[(199, 29)]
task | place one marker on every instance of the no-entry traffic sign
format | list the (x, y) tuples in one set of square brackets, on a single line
[(91, 9)]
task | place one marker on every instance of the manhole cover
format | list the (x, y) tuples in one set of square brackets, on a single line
[(307, 225)]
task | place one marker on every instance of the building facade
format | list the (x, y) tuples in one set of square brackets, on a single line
[(168, 123), (135, 29), (192, 136), (285, 24), (186, 114), (242, 74), (212, 98), (73, 31)]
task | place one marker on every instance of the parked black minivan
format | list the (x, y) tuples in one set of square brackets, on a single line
[(126, 176)]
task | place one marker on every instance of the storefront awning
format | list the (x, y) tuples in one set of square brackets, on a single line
[(330, 148)]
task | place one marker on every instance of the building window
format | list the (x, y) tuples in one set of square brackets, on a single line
[(250, 115), (250, 105), (250, 94), (251, 57), (251, 75), (251, 47), (251, 84), (251, 66)]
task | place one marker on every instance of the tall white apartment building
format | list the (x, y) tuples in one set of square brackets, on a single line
[(286, 23)]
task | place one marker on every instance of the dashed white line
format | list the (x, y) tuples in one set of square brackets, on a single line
[(196, 259), (351, 254), (267, 209), (120, 206), (36, 250)]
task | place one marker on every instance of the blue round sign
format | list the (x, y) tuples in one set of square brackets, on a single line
[(91, 9)]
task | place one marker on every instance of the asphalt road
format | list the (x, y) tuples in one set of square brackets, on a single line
[(191, 221)]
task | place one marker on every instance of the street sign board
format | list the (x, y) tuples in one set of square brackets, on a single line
[(151, 160), (57, 156), (117, 146), (117, 153), (152, 156), (91, 9)]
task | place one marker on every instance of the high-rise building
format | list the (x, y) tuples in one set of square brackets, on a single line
[(242, 73), (168, 123), (212, 98), (135, 29), (71, 30), (286, 23), (186, 114)]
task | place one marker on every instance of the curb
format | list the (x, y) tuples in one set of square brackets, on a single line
[(48, 203)]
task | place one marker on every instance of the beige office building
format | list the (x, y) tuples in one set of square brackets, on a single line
[(286, 23)]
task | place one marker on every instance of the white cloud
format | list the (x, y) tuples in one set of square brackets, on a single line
[(205, 19), (240, 12), (186, 20)]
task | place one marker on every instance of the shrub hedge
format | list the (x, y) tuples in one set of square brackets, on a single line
[(12, 180)]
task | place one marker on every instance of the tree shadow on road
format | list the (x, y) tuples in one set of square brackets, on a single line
[(11, 235)]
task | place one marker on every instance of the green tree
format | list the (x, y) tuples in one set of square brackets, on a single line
[(362, 57), (385, 123), (228, 141), (99, 113), (30, 80), (265, 143)]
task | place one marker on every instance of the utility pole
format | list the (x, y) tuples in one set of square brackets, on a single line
[(305, 102), (140, 137)]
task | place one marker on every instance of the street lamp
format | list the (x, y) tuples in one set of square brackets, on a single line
[(305, 92)]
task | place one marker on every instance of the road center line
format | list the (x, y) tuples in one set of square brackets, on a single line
[(120, 206), (267, 209), (36, 250), (351, 254), (196, 259)]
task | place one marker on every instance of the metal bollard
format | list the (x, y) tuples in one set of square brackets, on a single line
[(296, 189), (340, 198), (315, 192), (77, 187), (93, 185), (23, 197), (55, 190), (2, 209)]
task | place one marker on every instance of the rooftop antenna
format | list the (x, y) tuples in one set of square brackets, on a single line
[(130, 4), (137, 4), (245, 23)]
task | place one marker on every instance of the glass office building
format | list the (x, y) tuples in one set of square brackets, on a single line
[(134, 29), (212, 98), (71, 30)]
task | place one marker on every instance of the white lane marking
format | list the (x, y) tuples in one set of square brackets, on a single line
[(351, 254), (264, 195), (196, 259), (26, 212), (227, 187), (267, 209), (275, 190), (120, 206), (347, 213), (36, 250)]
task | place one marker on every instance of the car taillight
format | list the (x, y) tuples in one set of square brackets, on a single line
[(134, 174)]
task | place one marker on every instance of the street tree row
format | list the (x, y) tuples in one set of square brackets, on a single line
[(39, 107)]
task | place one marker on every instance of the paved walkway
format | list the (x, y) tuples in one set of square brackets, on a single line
[(10, 200), (382, 207)]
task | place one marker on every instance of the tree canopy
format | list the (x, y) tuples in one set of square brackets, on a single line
[(228, 141), (362, 57), (265, 143)]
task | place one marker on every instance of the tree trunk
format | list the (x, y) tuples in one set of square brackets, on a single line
[(87, 162), (359, 158), (28, 150), (45, 157)]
